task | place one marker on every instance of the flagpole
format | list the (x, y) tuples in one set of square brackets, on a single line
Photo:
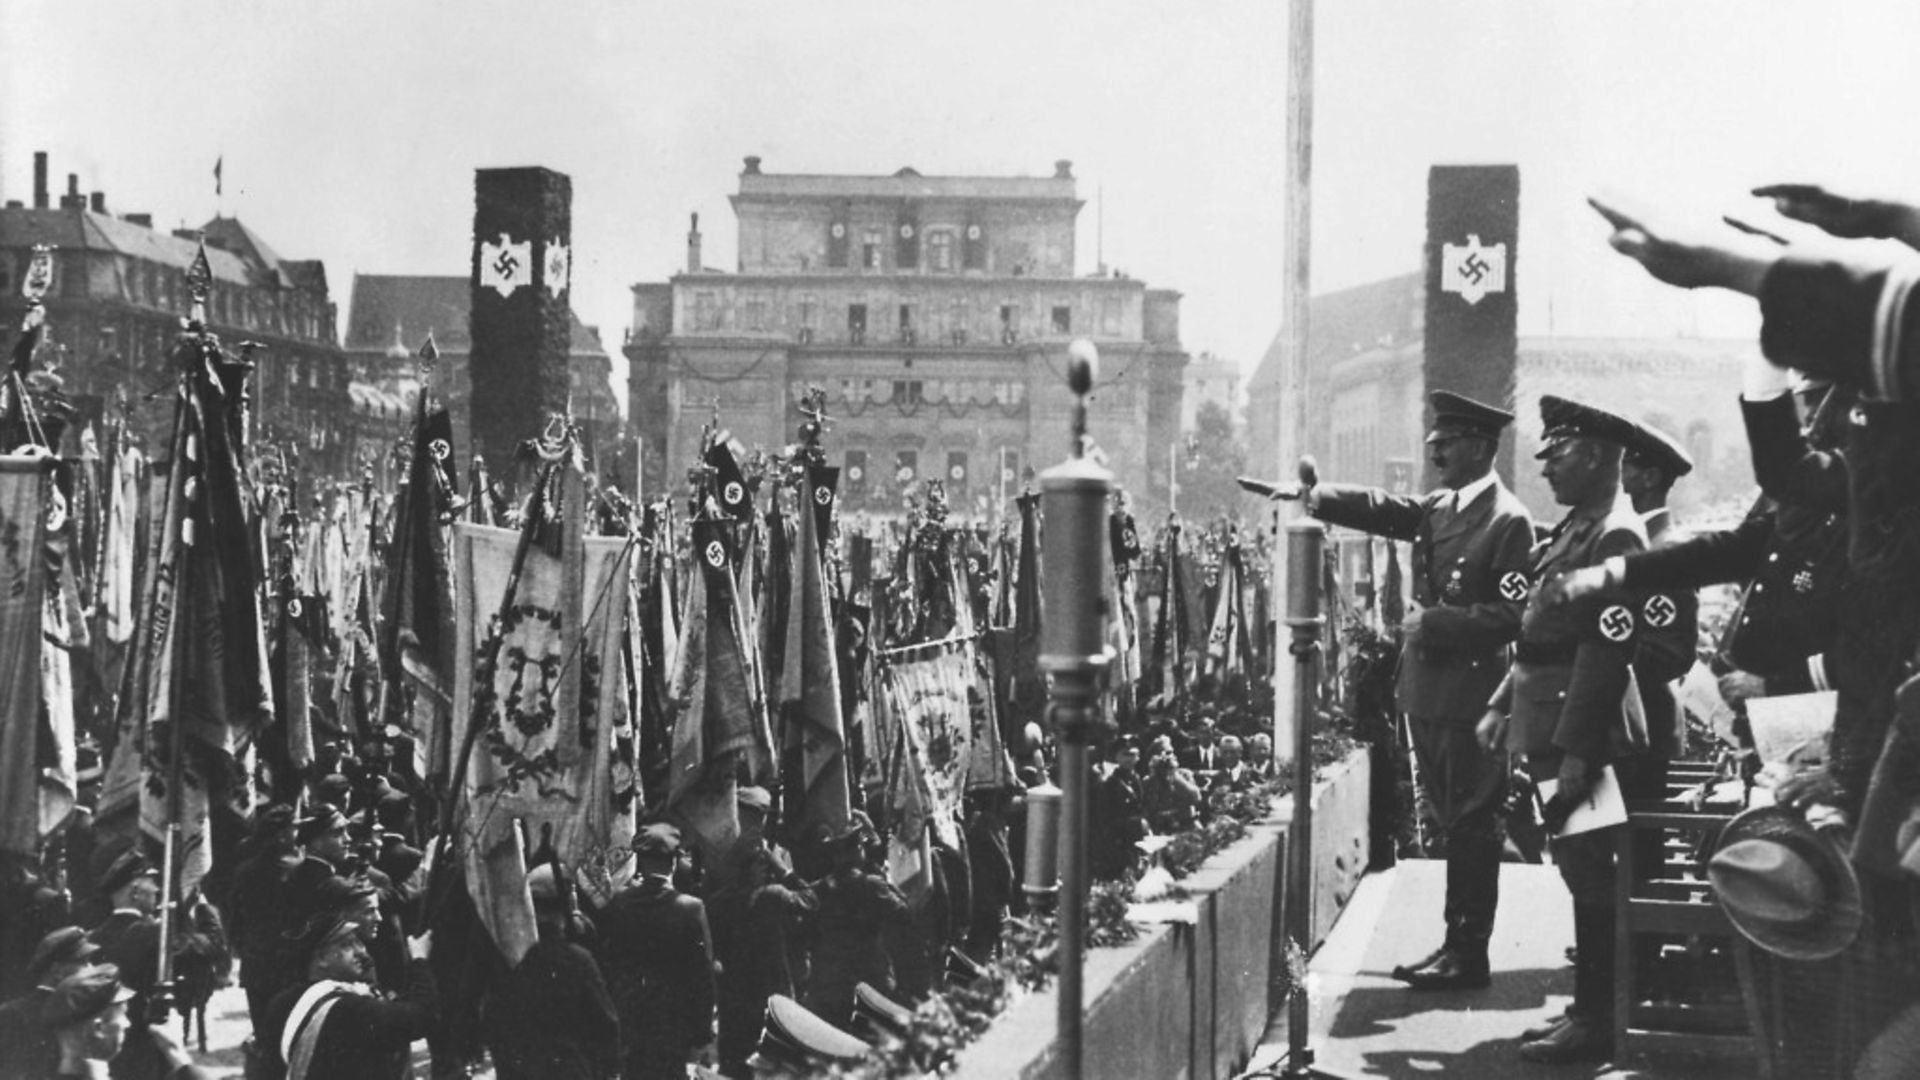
[(1295, 406)]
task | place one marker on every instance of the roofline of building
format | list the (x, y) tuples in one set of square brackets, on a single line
[(942, 278)]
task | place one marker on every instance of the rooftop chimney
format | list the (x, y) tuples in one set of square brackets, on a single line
[(1063, 169), (145, 220), (40, 197), (753, 165), (99, 202), (73, 200), (694, 264)]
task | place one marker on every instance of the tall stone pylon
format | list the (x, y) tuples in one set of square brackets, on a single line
[(521, 318), (1473, 254)]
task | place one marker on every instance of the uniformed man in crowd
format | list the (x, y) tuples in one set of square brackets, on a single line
[(1471, 538), (551, 1017), (85, 1018), (1566, 703), (1790, 551), (1665, 647), (27, 1048), (858, 908), (1119, 799), (755, 910), (335, 1024), (260, 908), (656, 952)]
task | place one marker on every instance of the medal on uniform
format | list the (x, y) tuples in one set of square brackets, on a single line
[(1454, 586)]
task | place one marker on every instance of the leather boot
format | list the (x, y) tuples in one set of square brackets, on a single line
[(1587, 1032)]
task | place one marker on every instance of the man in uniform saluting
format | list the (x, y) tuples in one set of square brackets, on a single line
[(1565, 703), (1471, 539)]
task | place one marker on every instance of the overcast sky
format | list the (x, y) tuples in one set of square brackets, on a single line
[(350, 129)]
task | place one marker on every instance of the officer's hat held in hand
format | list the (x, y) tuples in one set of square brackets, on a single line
[(1562, 419), (1653, 448), (1784, 886), (1456, 416)]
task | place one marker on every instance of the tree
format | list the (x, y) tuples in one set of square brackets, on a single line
[(1214, 458)]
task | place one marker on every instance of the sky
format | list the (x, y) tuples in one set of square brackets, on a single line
[(350, 129)]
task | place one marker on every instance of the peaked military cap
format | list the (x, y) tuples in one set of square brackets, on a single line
[(798, 1037), (1654, 448), (322, 821), (756, 797), (83, 996), (67, 945), (125, 864), (1562, 419), (1455, 415)]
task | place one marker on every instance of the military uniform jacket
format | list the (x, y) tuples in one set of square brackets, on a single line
[(1793, 557), (1470, 571), (1878, 625), (1567, 692)]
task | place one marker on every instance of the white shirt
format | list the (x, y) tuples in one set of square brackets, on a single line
[(1463, 497)]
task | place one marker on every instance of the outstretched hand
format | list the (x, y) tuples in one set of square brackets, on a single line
[(1685, 263), (1841, 215)]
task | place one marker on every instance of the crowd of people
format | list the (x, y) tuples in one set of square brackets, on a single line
[(323, 920)]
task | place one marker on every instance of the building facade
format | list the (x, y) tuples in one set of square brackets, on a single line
[(1366, 352), (391, 316), (936, 312), (1210, 380), (119, 292)]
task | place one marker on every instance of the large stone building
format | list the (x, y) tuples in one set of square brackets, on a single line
[(119, 291), (1211, 380), (1366, 352), (391, 316), (936, 311)]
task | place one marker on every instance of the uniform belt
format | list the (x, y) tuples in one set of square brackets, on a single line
[(1545, 652)]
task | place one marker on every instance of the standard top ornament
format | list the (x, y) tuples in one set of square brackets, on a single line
[(39, 279), (199, 284)]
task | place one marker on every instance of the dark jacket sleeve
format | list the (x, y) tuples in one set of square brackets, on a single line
[(697, 967), (1369, 510), (599, 1019), (1825, 318), (1665, 653), (1712, 558), (1786, 465), (1490, 623), (393, 1023), (1598, 686)]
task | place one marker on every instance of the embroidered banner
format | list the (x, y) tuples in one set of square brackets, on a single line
[(23, 519), (539, 759)]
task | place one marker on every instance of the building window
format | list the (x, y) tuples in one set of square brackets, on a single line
[(1009, 323), (871, 245), (808, 309), (756, 313), (909, 392), (706, 311), (907, 330), (1062, 319), (1110, 316), (940, 250), (857, 323)]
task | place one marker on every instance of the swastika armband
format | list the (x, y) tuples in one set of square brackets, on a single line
[(1514, 586), (1659, 611), (1615, 623)]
